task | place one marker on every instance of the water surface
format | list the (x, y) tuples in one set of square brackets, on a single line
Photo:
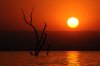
[(55, 58)]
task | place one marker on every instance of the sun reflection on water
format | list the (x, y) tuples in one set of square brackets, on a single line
[(73, 58)]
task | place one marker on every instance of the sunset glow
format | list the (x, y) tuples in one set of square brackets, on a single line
[(50, 32), (54, 12)]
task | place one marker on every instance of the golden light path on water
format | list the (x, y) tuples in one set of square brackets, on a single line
[(73, 58), (55, 58)]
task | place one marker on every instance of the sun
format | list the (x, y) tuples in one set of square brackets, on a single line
[(73, 22)]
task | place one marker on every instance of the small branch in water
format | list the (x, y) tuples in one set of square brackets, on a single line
[(39, 42)]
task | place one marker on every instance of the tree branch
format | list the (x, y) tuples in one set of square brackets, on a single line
[(42, 44), (31, 20), (24, 17), (39, 41), (43, 32)]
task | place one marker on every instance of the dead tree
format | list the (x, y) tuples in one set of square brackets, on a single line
[(40, 42)]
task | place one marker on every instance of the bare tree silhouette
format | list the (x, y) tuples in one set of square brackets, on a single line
[(40, 42)]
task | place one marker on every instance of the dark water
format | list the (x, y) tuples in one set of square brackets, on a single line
[(55, 58), (58, 40)]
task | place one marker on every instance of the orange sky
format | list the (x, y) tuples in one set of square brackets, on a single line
[(54, 12)]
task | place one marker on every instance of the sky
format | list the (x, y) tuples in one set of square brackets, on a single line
[(54, 12)]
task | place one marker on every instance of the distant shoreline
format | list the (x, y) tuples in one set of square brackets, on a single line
[(59, 40)]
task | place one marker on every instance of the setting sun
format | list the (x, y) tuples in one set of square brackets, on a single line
[(73, 22)]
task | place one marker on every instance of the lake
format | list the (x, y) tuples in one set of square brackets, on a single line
[(55, 58)]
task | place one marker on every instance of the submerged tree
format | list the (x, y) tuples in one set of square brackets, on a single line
[(40, 42)]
